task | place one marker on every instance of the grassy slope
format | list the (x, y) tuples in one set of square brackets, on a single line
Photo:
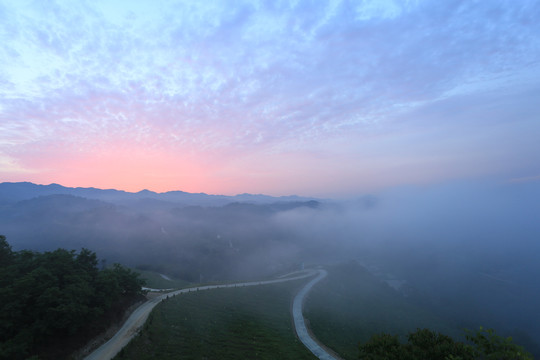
[(238, 323), (156, 281), (350, 305), (254, 322)]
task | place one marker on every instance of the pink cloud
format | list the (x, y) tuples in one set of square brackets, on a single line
[(122, 166)]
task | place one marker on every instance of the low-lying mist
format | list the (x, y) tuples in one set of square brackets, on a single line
[(467, 250)]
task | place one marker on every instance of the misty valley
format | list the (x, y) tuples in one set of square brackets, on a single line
[(261, 179), (444, 258)]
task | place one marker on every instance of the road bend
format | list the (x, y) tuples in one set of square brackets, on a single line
[(137, 319), (300, 324)]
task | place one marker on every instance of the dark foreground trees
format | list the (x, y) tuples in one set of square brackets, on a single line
[(47, 298), (427, 344)]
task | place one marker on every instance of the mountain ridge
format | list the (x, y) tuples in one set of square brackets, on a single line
[(11, 192)]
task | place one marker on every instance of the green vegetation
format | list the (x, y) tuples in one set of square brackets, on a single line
[(49, 299), (155, 281), (351, 305), (427, 344), (233, 323)]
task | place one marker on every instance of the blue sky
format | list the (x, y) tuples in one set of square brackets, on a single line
[(317, 98)]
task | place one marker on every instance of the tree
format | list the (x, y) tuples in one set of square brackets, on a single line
[(382, 347), (129, 281), (6, 255), (53, 295), (489, 345), (427, 344)]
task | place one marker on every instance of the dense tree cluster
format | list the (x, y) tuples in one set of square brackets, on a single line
[(53, 295), (484, 344)]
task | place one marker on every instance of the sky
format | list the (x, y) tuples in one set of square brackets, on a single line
[(314, 98)]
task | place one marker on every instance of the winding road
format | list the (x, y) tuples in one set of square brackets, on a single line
[(300, 323), (137, 319)]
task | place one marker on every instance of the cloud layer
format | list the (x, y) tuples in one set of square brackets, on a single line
[(278, 97)]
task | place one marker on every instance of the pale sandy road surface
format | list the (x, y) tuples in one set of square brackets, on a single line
[(300, 323), (137, 319)]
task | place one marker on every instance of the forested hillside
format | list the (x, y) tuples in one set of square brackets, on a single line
[(192, 243), (57, 297)]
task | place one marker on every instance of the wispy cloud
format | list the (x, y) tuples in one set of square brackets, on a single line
[(227, 81)]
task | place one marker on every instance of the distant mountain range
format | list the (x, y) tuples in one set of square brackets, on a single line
[(12, 192), (191, 236)]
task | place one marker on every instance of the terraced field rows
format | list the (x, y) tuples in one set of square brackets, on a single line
[(229, 323)]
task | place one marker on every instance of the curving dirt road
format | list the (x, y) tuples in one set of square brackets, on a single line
[(300, 324), (137, 319)]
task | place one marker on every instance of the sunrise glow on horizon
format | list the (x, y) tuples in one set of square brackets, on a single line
[(310, 98)]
